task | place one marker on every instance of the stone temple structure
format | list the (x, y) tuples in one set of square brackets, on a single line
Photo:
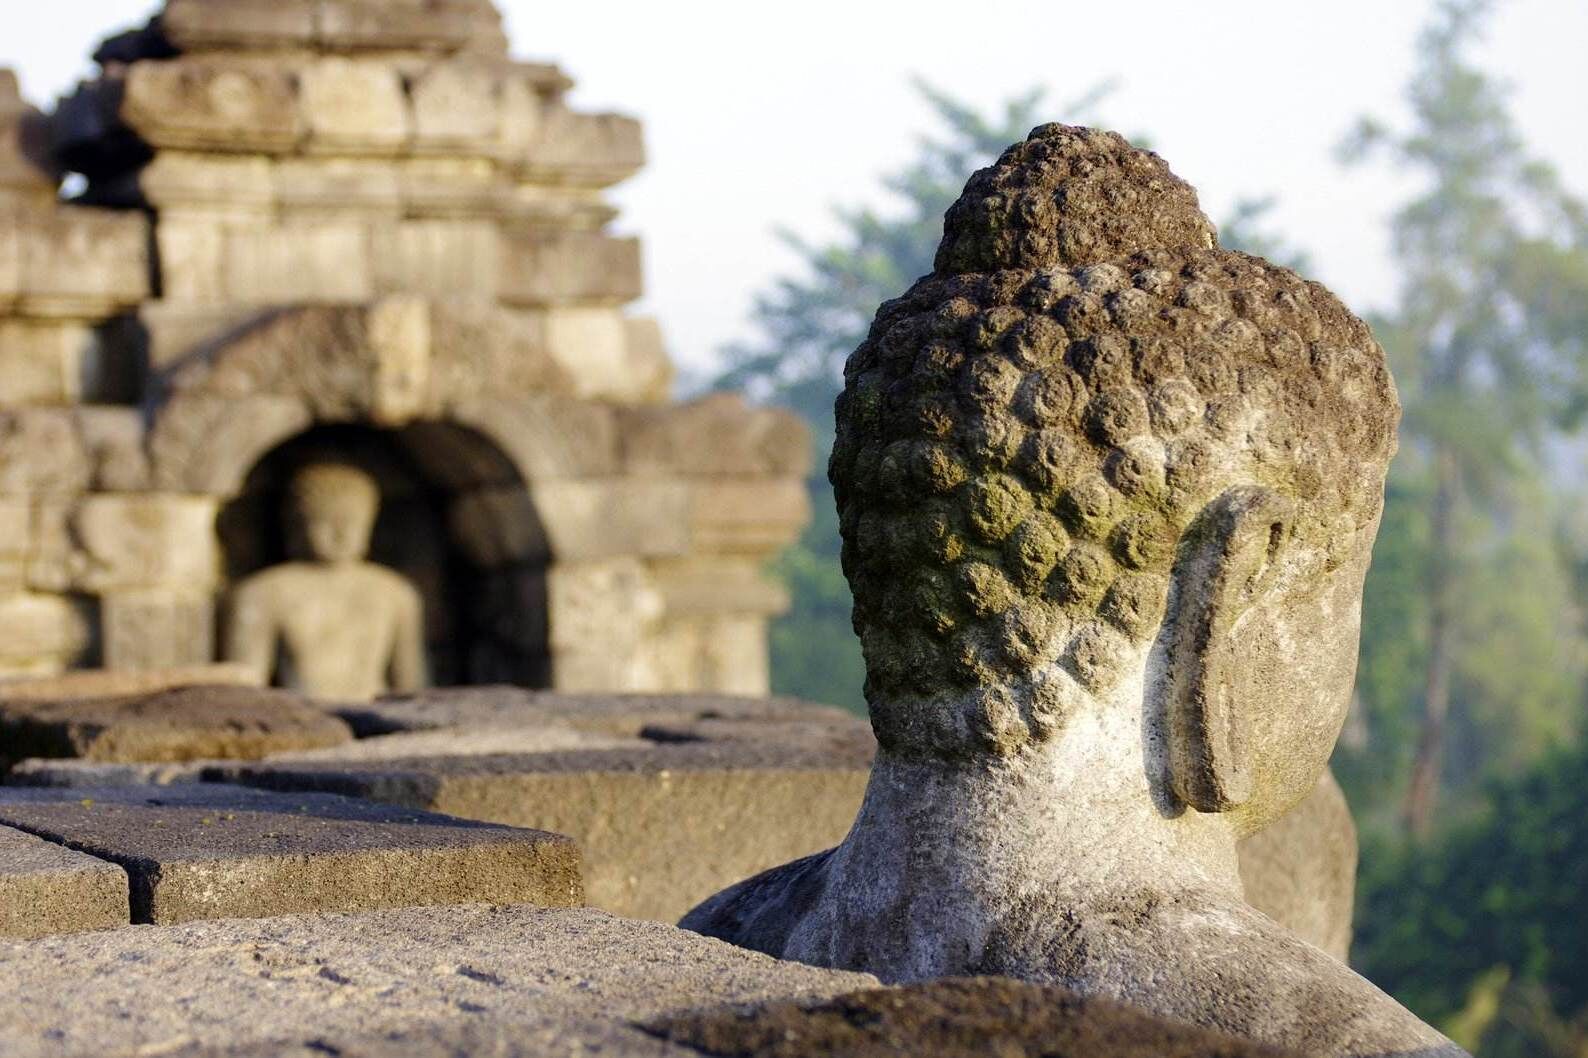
[(312, 228)]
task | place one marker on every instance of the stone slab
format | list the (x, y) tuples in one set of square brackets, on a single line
[(661, 828), (182, 724), (954, 1018), (615, 714), (433, 981), (45, 888), (109, 683), (206, 851)]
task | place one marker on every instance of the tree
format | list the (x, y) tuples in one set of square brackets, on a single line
[(1486, 334)]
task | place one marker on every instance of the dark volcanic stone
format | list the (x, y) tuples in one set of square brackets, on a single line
[(952, 1018)]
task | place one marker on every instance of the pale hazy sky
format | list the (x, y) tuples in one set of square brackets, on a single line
[(760, 115)]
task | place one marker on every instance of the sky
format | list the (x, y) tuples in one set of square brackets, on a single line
[(766, 116)]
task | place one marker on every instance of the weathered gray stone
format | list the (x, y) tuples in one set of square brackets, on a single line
[(953, 1018), (624, 715), (1108, 495), (72, 771), (45, 888), (719, 435), (206, 851), (182, 724), (659, 827), (420, 982), (1300, 871), (549, 268), (584, 150)]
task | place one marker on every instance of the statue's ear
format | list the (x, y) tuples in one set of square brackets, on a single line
[(1227, 559)]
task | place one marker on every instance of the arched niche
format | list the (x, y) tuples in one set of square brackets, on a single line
[(456, 519)]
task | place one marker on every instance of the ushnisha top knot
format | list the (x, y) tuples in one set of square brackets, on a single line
[(1068, 197)]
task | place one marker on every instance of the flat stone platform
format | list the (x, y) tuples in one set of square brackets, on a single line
[(661, 827), (209, 851), (45, 888), (414, 982)]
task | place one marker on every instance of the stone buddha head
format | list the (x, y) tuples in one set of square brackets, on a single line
[(1093, 462), (331, 512)]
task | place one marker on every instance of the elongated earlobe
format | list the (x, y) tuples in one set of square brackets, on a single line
[(1227, 560)]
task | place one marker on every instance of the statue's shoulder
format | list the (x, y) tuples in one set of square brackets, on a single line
[(1165, 951), (389, 581), (268, 583), (761, 912)]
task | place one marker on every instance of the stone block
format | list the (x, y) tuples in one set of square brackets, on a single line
[(47, 889), (650, 369), (606, 518), (53, 560), (198, 25), (956, 1018), (113, 437), (584, 150), (522, 100), (724, 653), (660, 828), (119, 683), (440, 258), (451, 187), (438, 25), (620, 715), (183, 180), (192, 253), (719, 434), (544, 436), (42, 362), (198, 103), (43, 633), (592, 346), (598, 613), (456, 108), (156, 628), (313, 263), (747, 517), (220, 722), (205, 851), (329, 185), (354, 106), (508, 982), (174, 329), (551, 267), (211, 445), (73, 262), (148, 540)]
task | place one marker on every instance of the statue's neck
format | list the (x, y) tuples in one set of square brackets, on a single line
[(945, 856), (1077, 811)]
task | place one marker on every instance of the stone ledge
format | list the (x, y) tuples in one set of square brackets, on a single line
[(45, 888), (203, 851), (432, 982)]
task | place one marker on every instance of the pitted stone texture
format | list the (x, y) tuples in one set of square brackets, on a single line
[(183, 724), (660, 827), (1068, 197), (460, 973), (953, 1018), (45, 888), (206, 851), (1020, 451)]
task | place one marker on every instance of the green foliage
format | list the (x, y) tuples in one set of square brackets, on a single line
[(1502, 889)]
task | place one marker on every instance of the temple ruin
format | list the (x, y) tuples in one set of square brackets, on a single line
[(305, 228)]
